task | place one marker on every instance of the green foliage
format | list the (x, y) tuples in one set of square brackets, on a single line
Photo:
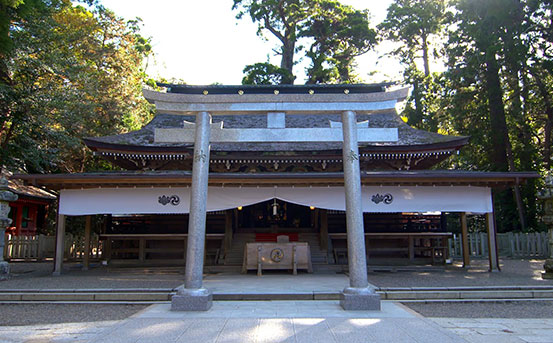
[(73, 73), (414, 24), (279, 17), (337, 33), (497, 89), (266, 74)]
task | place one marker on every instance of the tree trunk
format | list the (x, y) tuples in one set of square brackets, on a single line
[(546, 97), (416, 119), (500, 143), (513, 80), (499, 134), (287, 62), (6, 126), (425, 57)]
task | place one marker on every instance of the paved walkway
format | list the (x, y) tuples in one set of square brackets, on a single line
[(229, 321), (275, 283), (286, 321), (283, 321)]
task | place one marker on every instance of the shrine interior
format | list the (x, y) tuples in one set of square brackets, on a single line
[(387, 234)]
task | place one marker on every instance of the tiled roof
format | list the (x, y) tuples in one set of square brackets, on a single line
[(408, 136), (16, 186)]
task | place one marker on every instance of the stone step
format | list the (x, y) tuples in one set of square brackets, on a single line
[(437, 294)]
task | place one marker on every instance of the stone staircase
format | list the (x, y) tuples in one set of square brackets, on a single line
[(318, 256), (236, 254)]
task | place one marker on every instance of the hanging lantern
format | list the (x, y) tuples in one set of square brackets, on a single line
[(275, 207)]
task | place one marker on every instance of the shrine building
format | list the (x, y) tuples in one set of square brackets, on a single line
[(277, 177)]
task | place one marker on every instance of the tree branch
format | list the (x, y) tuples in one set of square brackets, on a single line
[(273, 30)]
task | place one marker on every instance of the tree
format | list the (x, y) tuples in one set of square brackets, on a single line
[(13, 13), (414, 24), (75, 73), (281, 18), (539, 34), (266, 74), (339, 33), (483, 45)]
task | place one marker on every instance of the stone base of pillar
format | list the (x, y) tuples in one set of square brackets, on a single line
[(4, 270), (191, 300), (360, 299)]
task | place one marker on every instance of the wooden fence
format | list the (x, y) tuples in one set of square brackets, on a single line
[(511, 244), (41, 247)]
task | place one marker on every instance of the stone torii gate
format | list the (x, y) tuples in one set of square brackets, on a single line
[(192, 296)]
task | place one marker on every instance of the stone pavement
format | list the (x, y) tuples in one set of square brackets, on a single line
[(228, 321), (286, 321), (500, 330), (275, 283)]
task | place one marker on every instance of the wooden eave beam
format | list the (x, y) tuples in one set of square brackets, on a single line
[(61, 181)]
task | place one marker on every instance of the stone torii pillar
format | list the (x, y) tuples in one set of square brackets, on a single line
[(193, 297), (359, 295)]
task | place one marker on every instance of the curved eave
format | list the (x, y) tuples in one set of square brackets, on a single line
[(176, 179), (453, 144), (95, 145)]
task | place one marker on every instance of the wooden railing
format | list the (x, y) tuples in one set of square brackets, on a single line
[(42, 247), (511, 244)]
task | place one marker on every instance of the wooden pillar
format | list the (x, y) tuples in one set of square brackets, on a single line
[(492, 243), (411, 247), (86, 257), (18, 219), (228, 231), (323, 229), (465, 240), (142, 249), (60, 245)]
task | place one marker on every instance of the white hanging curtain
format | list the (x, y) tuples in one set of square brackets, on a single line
[(177, 199)]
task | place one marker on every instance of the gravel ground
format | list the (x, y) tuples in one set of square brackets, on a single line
[(515, 309), (513, 273), (31, 314)]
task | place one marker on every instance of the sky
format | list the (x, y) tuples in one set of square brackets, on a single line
[(201, 42)]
